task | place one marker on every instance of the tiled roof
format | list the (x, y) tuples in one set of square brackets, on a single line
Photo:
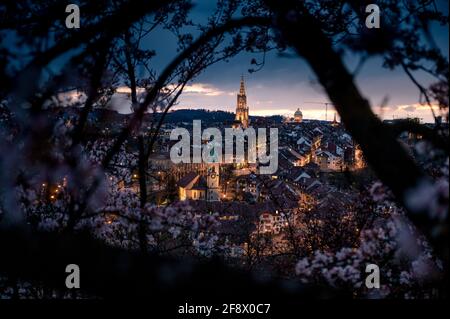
[(187, 179), (200, 184)]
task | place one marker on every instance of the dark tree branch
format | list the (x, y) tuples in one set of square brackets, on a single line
[(152, 94), (384, 153), (427, 133), (422, 90), (115, 24)]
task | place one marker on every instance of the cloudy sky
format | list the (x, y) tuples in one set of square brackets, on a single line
[(285, 84)]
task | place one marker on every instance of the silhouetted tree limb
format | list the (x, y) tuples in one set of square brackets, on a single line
[(162, 79), (152, 94), (115, 24), (426, 132), (383, 152)]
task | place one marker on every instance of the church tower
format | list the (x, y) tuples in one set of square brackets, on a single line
[(212, 179), (241, 107)]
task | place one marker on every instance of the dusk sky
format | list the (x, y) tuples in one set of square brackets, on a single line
[(287, 83)]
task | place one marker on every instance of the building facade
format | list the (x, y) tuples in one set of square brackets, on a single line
[(242, 107)]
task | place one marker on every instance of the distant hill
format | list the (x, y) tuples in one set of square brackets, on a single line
[(183, 115), (173, 117)]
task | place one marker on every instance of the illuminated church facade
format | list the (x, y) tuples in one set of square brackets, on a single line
[(242, 119)]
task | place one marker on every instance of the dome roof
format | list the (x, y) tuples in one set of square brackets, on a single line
[(298, 113)]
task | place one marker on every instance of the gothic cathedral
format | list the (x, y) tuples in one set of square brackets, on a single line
[(242, 108)]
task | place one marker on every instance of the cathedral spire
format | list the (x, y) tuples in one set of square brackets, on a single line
[(242, 88), (241, 107)]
